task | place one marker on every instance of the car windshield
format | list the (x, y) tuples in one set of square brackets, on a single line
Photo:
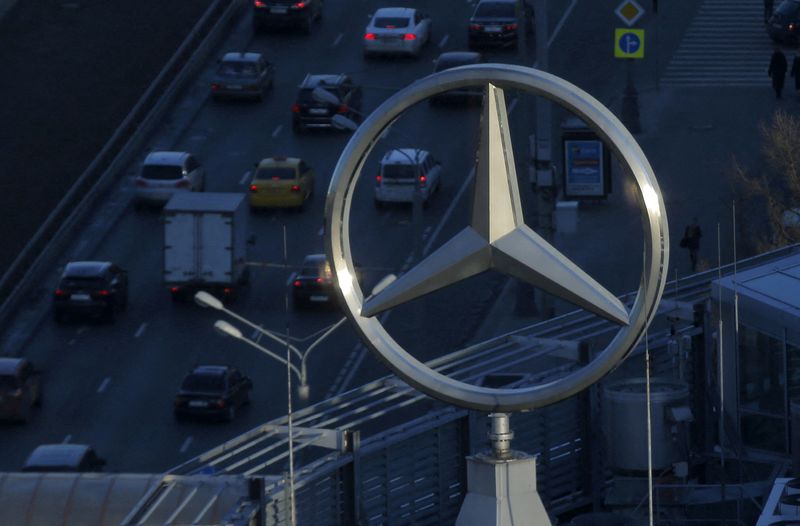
[(495, 10), (80, 282), (398, 171), (7, 383), (237, 69), (391, 22), (204, 382), (276, 173), (161, 172)]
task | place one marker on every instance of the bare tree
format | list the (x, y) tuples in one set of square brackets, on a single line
[(769, 195)]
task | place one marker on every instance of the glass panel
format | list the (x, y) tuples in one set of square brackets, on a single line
[(399, 171), (495, 10), (83, 283), (276, 172), (161, 172), (761, 372), (204, 382), (764, 432), (793, 376), (391, 22), (237, 69)]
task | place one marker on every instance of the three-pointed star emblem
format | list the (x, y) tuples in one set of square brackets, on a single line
[(498, 239)]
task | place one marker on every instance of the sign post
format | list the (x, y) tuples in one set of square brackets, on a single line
[(629, 43)]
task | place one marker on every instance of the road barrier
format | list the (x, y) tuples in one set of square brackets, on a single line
[(65, 220)]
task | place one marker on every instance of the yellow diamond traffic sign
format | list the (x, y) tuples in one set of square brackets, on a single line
[(629, 12), (628, 43)]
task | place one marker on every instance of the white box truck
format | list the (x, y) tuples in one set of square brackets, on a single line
[(205, 243)]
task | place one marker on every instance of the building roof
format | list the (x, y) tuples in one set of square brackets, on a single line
[(105, 499), (776, 283)]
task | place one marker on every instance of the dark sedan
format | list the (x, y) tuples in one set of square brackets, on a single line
[(90, 288), (214, 391), (313, 285), (784, 24), (242, 75), (454, 59), (494, 23)]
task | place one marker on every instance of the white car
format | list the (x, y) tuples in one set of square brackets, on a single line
[(397, 31), (402, 172), (166, 173)]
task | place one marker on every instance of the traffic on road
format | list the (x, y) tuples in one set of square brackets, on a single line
[(116, 378)]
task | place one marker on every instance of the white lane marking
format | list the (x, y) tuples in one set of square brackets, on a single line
[(186, 444), (66, 439), (140, 330), (561, 22), (278, 129), (81, 330), (444, 40), (338, 39), (512, 106), (449, 211), (353, 361), (71, 342), (245, 177), (104, 384)]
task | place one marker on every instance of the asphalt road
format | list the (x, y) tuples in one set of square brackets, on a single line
[(112, 385)]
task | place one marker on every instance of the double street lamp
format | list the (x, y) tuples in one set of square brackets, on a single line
[(204, 299)]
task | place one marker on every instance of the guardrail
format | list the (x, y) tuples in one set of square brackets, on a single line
[(62, 223)]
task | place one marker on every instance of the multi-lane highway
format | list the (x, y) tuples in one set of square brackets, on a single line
[(111, 385)]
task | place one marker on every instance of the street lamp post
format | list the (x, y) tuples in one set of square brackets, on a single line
[(204, 299)]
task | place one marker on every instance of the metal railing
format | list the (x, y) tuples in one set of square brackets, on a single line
[(413, 473), (65, 219)]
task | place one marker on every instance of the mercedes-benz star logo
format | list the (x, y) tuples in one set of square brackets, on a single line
[(497, 237)]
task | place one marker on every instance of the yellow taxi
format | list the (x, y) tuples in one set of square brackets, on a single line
[(281, 182)]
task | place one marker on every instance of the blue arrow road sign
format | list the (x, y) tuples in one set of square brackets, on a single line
[(630, 43)]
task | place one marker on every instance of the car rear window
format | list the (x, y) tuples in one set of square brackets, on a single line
[(313, 269), (204, 382), (237, 69), (161, 172), (82, 283), (399, 171), (391, 22), (495, 10), (276, 173)]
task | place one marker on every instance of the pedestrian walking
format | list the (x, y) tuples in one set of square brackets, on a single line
[(795, 72), (691, 241), (768, 4), (777, 70)]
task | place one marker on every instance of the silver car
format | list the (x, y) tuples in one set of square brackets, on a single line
[(165, 173), (242, 75), (404, 171), (397, 31)]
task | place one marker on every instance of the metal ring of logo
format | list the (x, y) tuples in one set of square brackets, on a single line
[(614, 135)]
